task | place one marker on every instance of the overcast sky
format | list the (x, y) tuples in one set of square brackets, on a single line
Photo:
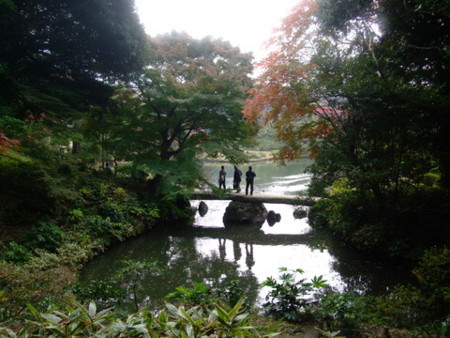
[(246, 24)]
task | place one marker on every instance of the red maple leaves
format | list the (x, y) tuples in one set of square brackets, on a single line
[(7, 143)]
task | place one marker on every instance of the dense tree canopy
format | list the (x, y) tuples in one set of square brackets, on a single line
[(187, 102), (363, 86), (58, 56)]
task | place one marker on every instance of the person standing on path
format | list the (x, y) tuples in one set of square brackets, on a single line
[(249, 176), (222, 177), (237, 178)]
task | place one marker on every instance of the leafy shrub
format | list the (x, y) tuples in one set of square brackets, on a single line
[(431, 179), (433, 270), (76, 214), (119, 195), (45, 235), (73, 254), (433, 273), (197, 295), (290, 298), (43, 260), (144, 213), (130, 278), (112, 211), (98, 290), (11, 126), (17, 253), (424, 307), (102, 227), (343, 312), (231, 292), (400, 308), (34, 285), (170, 321)]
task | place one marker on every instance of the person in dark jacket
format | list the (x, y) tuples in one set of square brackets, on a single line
[(250, 177), (237, 178), (222, 177)]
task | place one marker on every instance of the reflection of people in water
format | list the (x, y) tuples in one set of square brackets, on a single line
[(222, 249), (237, 251), (249, 256)]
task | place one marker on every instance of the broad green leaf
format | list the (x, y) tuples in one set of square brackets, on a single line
[(51, 318)]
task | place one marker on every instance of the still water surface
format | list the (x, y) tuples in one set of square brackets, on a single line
[(212, 254)]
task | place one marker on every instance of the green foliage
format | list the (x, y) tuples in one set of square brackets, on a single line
[(189, 103), (14, 252), (79, 227), (198, 295), (343, 312), (433, 270), (76, 214), (11, 126), (292, 298), (53, 74), (421, 308), (76, 322), (146, 212), (45, 235), (229, 293), (431, 179), (234, 322), (74, 254), (364, 86), (25, 197), (392, 227), (171, 321), (98, 291), (33, 282), (101, 227), (130, 278)]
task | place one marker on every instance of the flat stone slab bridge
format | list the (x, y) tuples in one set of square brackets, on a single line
[(260, 197)]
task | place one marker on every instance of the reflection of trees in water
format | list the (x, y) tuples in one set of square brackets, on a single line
[(249, 260), (188, 265), (183, 265), (360, 272), (222, 248)]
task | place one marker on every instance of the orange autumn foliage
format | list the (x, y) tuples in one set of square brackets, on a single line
[(284, 94), (7, 143)]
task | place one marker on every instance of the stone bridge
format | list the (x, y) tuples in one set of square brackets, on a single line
[(260, 197)]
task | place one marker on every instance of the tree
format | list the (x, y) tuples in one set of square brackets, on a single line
[(343, 83), (410, 57), (366, 94), (59, 57), (188, 102), (283, 94)]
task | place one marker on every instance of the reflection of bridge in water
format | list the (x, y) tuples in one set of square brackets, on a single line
[(245, 235), (248, 234), (263, 198)]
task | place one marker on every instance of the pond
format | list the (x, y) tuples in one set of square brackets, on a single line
[(212, 254)]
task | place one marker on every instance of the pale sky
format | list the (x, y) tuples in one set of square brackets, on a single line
[(246, 24)]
